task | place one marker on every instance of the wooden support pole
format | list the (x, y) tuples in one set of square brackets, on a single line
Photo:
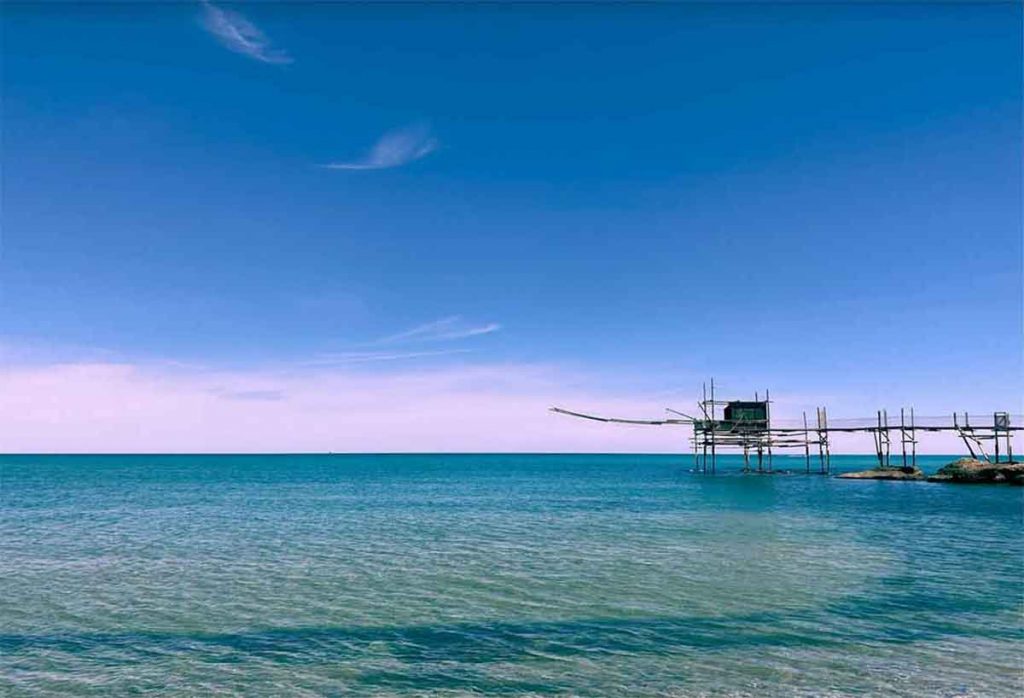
[(913, 440), (995, 428), (704, 430), (696, 466), (878, 440), (821, 439), (828, 451), (714, 457), (962, 431), (1009, 442), (807, 446), (888, 448), (903, 437)]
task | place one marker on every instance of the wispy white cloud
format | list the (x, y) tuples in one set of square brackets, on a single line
[(238, 34), (449, 328), (394, 149), (362, 357), (445, 329)]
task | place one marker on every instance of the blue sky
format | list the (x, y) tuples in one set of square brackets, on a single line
[(824, 199)]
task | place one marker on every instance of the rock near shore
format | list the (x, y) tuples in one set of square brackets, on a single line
[(907, 473), (971, 470)]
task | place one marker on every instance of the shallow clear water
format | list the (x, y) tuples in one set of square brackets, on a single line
[(501, 574)]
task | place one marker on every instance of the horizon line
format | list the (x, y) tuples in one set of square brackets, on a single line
[(680, 454)]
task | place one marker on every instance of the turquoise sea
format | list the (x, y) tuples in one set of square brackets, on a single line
[(585, 575)]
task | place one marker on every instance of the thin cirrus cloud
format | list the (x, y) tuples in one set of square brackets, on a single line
[(394, 149), (362, 357), (445, 329), (238, 34)]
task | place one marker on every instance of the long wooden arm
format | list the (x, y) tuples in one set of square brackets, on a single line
[(596, 418)]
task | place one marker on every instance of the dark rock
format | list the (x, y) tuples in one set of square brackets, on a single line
[(902, 473), (971, 470)]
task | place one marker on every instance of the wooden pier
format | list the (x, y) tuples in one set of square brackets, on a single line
[(745, 426)]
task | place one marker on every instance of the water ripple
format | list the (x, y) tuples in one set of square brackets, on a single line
[(498, 575)]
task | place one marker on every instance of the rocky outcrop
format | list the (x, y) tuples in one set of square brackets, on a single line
[(907, 473), (970, 470)]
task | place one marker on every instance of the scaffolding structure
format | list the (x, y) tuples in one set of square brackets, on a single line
[(745, 426)]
